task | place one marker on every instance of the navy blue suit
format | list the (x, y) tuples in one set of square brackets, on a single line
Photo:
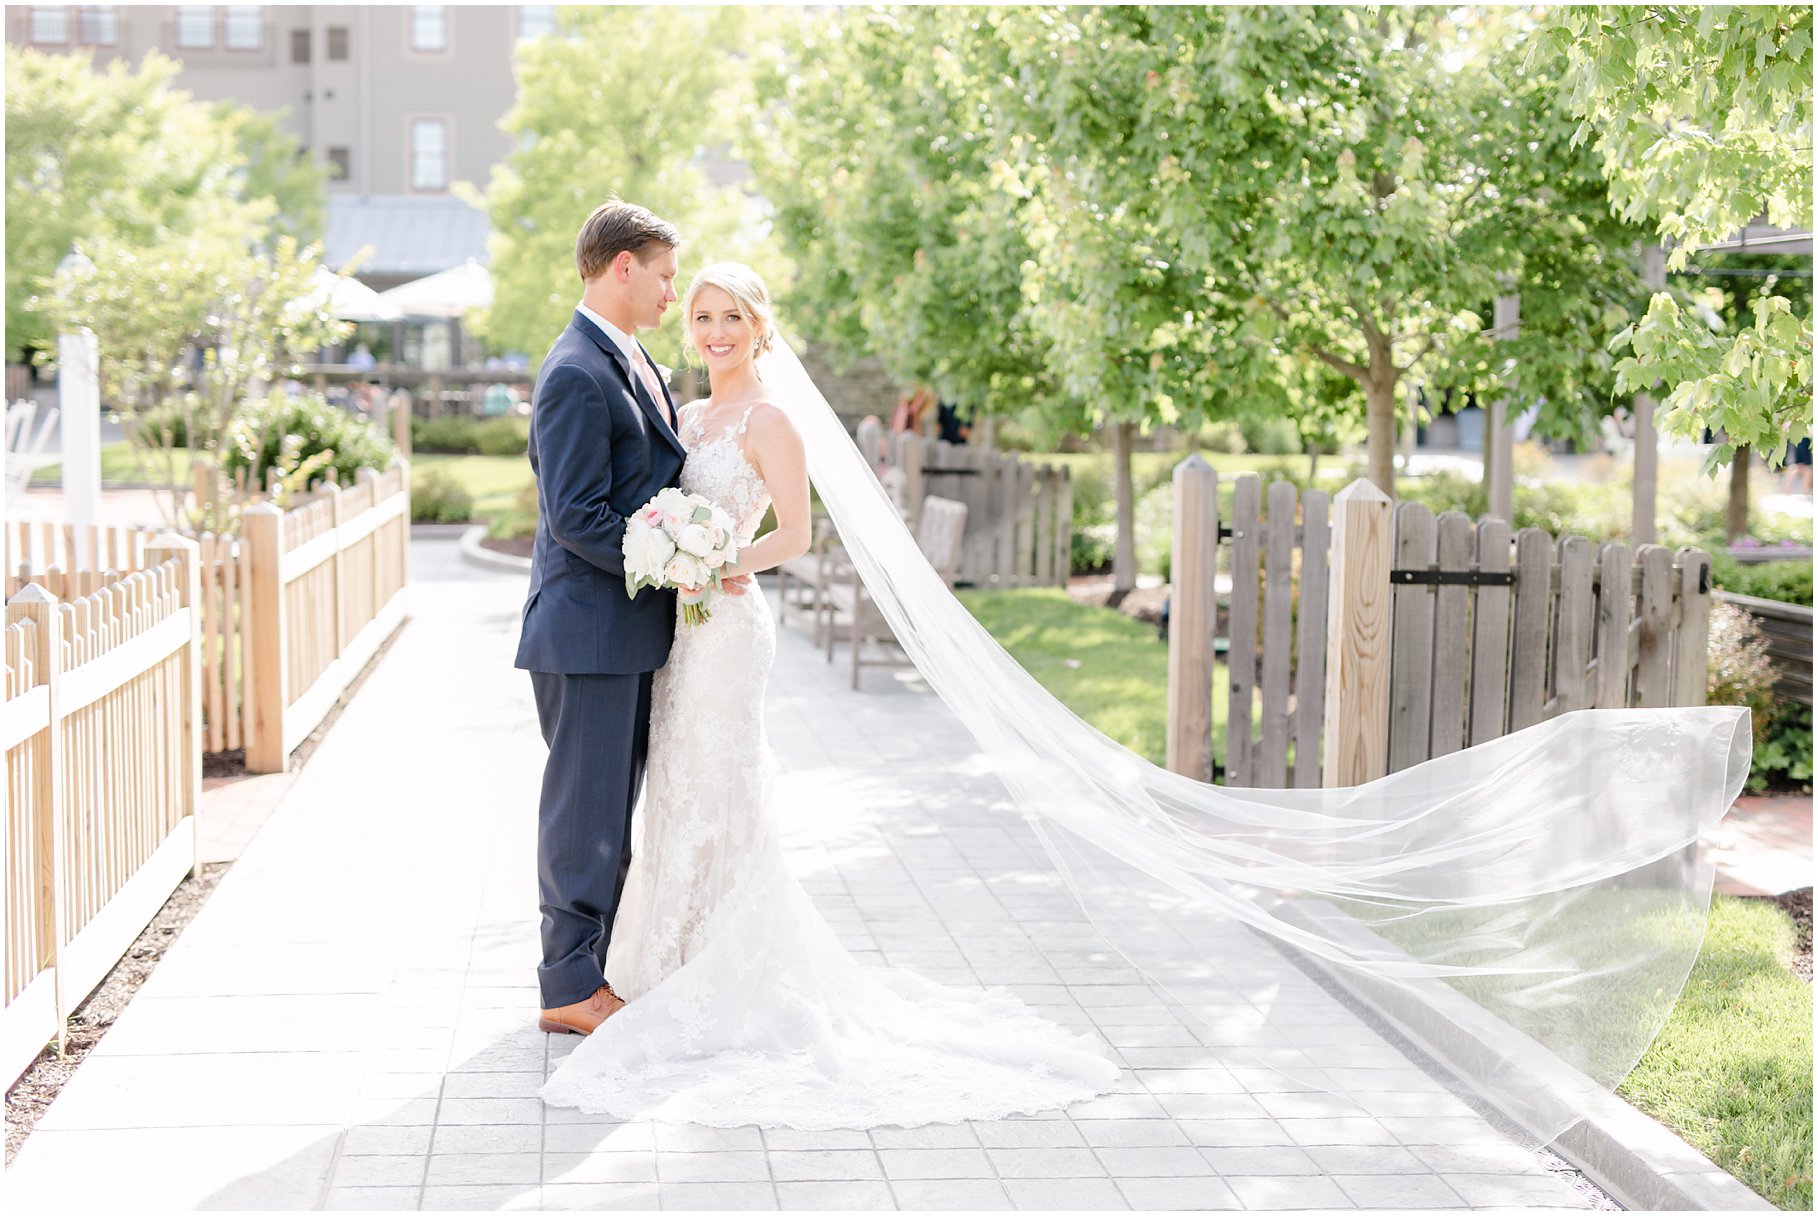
[(601, 447)]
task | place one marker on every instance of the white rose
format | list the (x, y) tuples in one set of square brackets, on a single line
[(721, 520), (685, 571), (694, 540), (715, 559), (647, 551)]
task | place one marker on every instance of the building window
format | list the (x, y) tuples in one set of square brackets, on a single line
[(536, 20), (245, 31), (340, 164), (196, 27), (428, 27), (428, 154), (50, 26), (337, 43), (299, 46), (100, 24)]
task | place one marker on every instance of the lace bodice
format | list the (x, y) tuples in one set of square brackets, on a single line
[(718, 468)]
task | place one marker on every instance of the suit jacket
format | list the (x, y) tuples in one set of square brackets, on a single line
[(600, 447)]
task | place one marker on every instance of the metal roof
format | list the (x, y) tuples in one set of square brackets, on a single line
[(410, 235)]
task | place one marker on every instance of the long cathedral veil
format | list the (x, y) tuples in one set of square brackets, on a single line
[(1525, 910)]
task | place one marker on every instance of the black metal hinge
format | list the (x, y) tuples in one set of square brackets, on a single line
[(1432, 576)]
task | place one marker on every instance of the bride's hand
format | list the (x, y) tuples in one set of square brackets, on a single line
[(735, 584)]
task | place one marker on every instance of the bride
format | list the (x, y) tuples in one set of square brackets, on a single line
[(742, 1006)]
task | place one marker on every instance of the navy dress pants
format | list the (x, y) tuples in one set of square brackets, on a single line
[(598, 731)]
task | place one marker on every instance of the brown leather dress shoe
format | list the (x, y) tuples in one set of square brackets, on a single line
[(582, 1017)]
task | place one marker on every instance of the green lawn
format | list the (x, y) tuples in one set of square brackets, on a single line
[(119, 463), (1732, 1070), (1110, 670), (494, 481)]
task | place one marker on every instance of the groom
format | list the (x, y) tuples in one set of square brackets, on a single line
[(602, 443)]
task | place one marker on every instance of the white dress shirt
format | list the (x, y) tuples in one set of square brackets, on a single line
[(625, 342)]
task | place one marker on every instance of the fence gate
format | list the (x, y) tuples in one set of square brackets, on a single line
[(1019, 516), (1413, 636)]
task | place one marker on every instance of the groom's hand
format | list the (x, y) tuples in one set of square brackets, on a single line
[(735, 584)]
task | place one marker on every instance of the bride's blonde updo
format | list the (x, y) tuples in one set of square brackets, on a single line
[(740, 282)]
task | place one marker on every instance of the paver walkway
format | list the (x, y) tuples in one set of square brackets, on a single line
[(347, 1022)]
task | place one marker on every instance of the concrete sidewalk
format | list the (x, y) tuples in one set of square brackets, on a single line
[(348, 1021)]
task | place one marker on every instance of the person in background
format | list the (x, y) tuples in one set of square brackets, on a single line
[(362, 357)]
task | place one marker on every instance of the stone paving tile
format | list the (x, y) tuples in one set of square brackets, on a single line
[(717, 1197), (373, 1199), (599, 1197), (1397, 1190), (1069, 1194), (1285, 1192), (935, 1163), (835, 1196), (830, 1166), (1179, 1194), (940, 1195)]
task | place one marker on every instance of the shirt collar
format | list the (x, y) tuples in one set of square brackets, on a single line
[(624, 341)]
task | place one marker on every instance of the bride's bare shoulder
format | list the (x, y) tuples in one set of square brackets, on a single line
[(768, 419)]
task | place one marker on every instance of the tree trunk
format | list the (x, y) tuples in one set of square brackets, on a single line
[(1736, 524), (1381, 415), (1313, 464), (1123, 558)]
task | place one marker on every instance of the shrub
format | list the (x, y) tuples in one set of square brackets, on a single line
[(437, 498), (1785, 758), (462, 436), (1789, 582), (291, 433), (1739, 671), (454, 436), (503, 437), (165, 425), (1270, 436), (520, 519), (1092, 548)]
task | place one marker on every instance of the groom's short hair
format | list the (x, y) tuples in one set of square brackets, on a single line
[(616, 228)]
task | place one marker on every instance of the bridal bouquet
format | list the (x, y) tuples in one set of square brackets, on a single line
[(683, 541)]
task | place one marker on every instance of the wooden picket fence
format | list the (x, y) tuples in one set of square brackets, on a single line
[(324, 584), (1019, 516), (329, 579), (103, 778), (1365, 637)]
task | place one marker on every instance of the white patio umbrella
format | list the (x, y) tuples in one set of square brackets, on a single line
[(445, 294), (349, 299)]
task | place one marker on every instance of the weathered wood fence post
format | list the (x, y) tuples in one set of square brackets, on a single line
[(1357, 641), (267, 667), (33, 603), (1192, 609), (170, 547)]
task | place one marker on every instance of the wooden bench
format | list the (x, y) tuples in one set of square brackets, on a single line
[(850, 606)]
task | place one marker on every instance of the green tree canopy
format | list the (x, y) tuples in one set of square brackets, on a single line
[(1702, 115), (621, 104), (115, 158)]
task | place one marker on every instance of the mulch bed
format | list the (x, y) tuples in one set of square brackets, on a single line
[(1798, 905), (1141, 604), (517, 546), (33, 1093)]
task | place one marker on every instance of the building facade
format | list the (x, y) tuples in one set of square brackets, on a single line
[(399, 101)]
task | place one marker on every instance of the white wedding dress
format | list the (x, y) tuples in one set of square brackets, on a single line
[(743, 1007)]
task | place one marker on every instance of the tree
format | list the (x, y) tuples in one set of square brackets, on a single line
[(115, 157), (277, 167), (614, 108), (1327, 184), (1702, 115), (878, 161)]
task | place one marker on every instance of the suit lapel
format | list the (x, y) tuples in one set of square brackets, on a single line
[(634, 382)]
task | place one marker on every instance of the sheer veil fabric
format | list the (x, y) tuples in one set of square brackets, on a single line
[(1544, 891)]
